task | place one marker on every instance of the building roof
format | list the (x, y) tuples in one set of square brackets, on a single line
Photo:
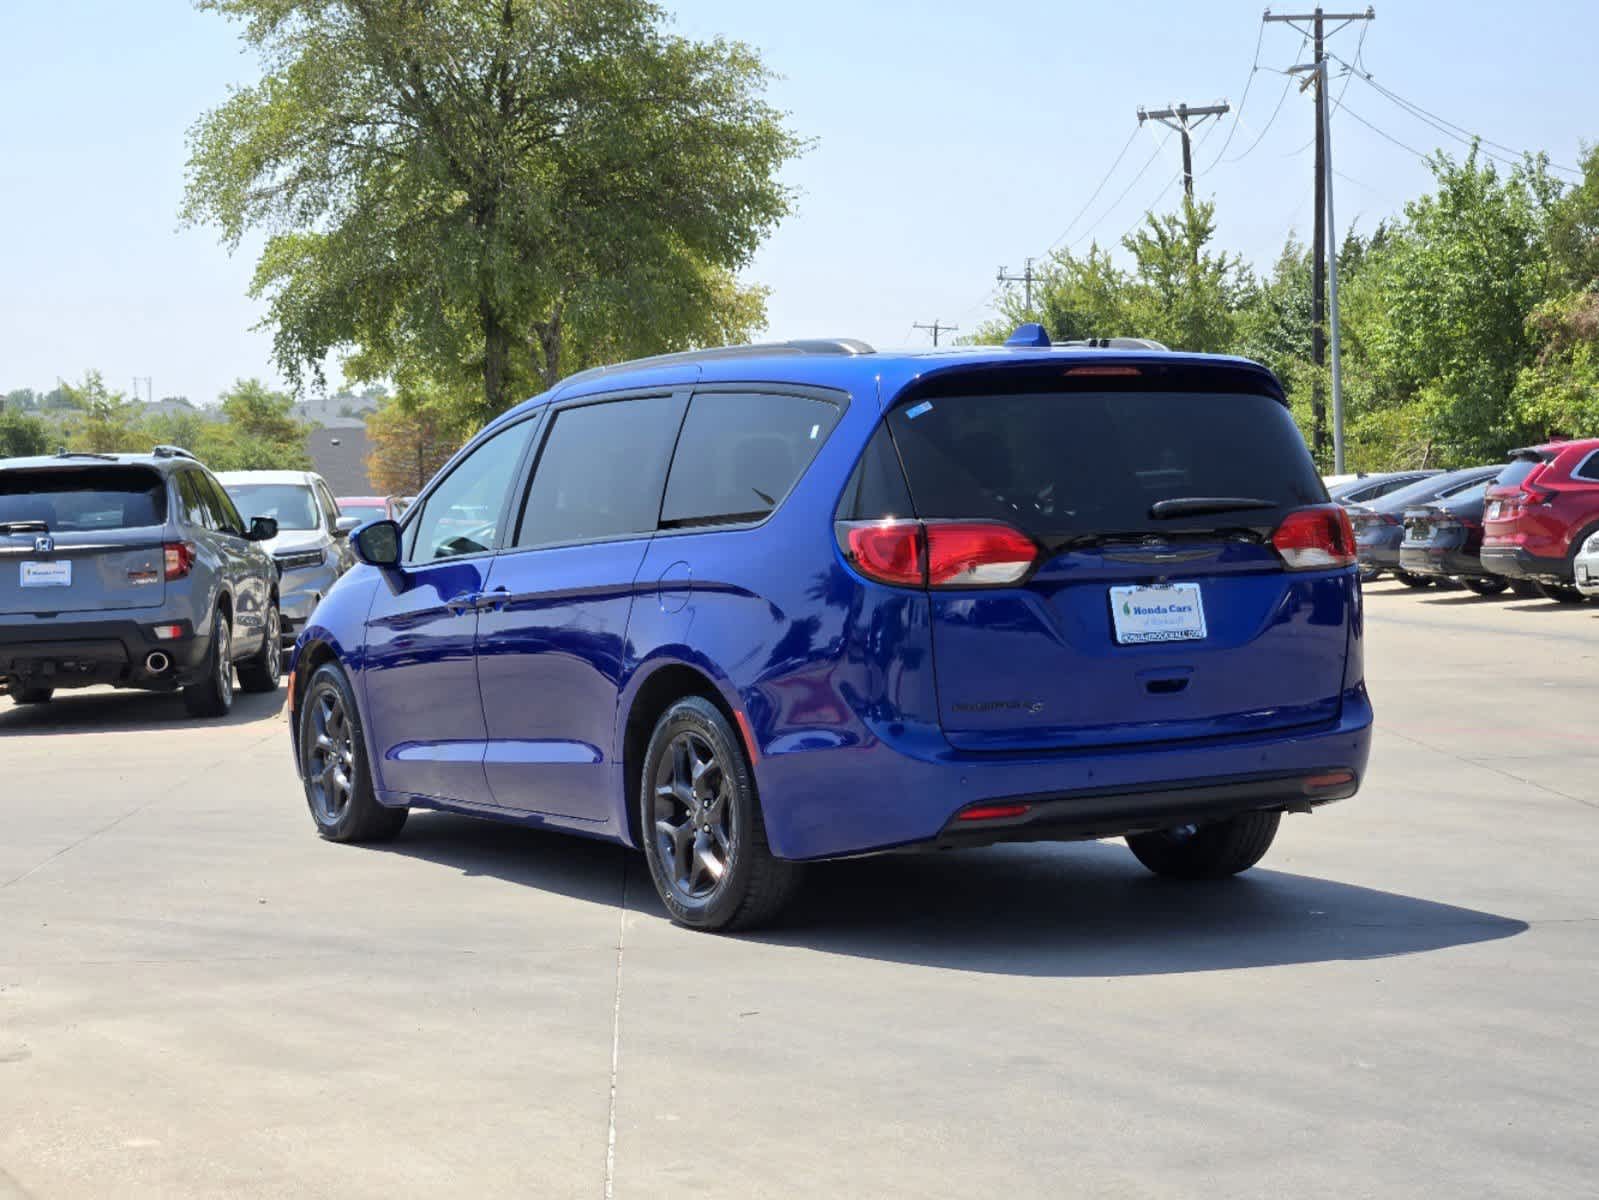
[(339, 456)]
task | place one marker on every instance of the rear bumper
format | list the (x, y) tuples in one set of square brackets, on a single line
[(1117, 812), (831, 803), (1385, 557), (1516, 562), (1586, 571), (68, 654), (1455, 563)]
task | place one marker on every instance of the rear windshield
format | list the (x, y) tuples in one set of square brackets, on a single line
[(1516, 470), (82, 499), (291, 505), (1075, 463)]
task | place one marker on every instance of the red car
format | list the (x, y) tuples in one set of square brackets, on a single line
[(1540, 510)]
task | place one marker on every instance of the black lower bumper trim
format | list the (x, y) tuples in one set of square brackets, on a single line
[(87, 653), (1116, 812), (1517, 563)]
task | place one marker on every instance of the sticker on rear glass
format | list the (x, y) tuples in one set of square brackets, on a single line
[(916, 410)]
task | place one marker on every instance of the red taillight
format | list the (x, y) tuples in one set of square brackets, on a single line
[(940, 554), (996, 812), (974, 553), (888, 551), (1313, 539), (179, 559), (1537, 495), (1104, 371)]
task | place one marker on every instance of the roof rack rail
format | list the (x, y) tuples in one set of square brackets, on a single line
[(165, 451), (1116, 343), (848, 347)]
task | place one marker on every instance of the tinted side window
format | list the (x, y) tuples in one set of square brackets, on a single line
[(194, 505), (1589, 469), (330, 510), (740, 454), (877, 488), (227, 513), (462, 516), (599, 473)]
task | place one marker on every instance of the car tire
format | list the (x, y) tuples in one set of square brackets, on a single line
[(1214, 850), (32, 695), (212, 696), (1561, 593), (263, 670), (1412, 581), (701, 824), (1486, 587), (1369, 574), (1525, 588), (334, 765)]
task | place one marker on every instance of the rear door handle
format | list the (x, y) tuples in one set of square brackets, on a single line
[(495, 600)]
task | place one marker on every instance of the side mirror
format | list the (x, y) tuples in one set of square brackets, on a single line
[(263, 529), (377, 544), (344, 526)]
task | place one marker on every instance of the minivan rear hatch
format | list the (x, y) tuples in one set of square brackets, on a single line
[(1158, 607), (81, 537)]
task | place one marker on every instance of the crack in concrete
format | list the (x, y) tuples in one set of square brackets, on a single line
[(1486, 766), (616, 1042)]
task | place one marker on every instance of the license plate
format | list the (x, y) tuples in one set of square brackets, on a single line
[(1170, 612), (47, 574)]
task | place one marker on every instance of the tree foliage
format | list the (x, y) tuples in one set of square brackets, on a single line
[(491, 192), (413, 434)]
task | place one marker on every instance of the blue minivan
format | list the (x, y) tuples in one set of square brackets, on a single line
[(749, 607)]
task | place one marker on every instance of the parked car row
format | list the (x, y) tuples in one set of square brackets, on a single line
[(149, 571), (1531, 523)]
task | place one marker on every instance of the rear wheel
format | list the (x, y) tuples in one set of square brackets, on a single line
[(333, 763), (1486, 587), (1412, 581), (263, 670), (1561, 593), (1524, 588), (701, 825), (1213, 850), (1369, 574), (32, 695), (212, 696)]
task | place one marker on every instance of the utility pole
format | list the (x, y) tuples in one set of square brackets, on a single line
[(938, 327), (1179, 119), (1026, 278), (1319, 248)]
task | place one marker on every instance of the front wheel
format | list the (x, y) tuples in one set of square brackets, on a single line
[(32, 695), (333, 764), (1213, 850), (1486, 587), (703, 833), (1412, 581), (1561, 593)]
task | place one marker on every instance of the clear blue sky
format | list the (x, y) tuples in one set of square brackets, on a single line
[(951, 138)]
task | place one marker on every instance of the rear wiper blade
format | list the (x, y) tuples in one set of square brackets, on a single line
[(1198, 506)]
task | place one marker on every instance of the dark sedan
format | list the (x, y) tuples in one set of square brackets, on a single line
[(1364, 488), (1443, 540), (1379, 523)]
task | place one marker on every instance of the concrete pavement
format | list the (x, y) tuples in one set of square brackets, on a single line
[(198, 997)]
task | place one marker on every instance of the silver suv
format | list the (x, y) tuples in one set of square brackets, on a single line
[(311, 547), (133, 570)]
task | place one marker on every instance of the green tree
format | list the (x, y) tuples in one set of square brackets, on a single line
[(22, 434), (102, 421), (497, 192), (413, 433), (1439, 312), (257, 432)]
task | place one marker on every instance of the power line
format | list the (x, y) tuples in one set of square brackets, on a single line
[(1126, 146), (1249, 82), (1447, 127), (1116, 203), (1271, 120), (1178, 119), (1385, 136)]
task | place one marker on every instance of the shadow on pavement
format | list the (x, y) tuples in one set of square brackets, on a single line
[(1081, 909), (101, 710)]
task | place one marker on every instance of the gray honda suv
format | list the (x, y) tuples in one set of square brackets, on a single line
[(133, 570)]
